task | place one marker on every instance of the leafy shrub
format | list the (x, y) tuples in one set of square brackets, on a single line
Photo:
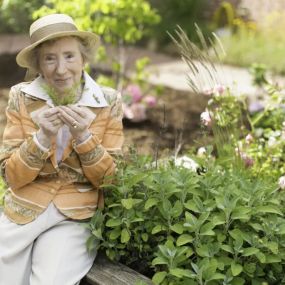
[(221, 224), (183, 13), (185, 228)]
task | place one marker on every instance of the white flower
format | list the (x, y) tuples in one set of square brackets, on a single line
[(186, 162), (281, 182), (249, 139), (201, 151), (206, 118), (272, 141)]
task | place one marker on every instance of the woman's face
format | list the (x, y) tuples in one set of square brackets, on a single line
[(61, 64)]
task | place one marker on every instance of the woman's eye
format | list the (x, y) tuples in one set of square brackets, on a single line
[(70, 56), (49, 58)]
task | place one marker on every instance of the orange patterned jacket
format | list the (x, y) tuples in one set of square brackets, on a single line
[(35, 177)]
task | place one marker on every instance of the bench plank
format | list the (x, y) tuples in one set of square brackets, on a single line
[(106, 272)]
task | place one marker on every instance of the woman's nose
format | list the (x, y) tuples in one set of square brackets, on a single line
[(60, 68)]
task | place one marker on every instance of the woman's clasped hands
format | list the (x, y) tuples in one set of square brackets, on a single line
[(52, 119)]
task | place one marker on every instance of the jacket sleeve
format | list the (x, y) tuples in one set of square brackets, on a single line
[(97, 157), (20, 158)]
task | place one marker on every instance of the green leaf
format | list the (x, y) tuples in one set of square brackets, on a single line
[(157, 229), (261, 257), (209, 270), (217, 276), (238, 281), (240, 213), (203, 250), (180, 273), (250, 251), (273, 246), (272, 258), (97, 233), (190, 205), (115, 233), (227, 248), (130, 202), (125, 236), (177, 209), (150, 203), (236, 268), (159, 260), (113, 223), (158, 277), (144, 237), (183, 239), (219, 219), (177, 228), (206, 230), (269, 209)]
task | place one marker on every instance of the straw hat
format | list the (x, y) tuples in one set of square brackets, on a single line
[(51, 27)]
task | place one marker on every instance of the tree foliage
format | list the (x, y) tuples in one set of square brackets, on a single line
[(16, 15), (115, 21)]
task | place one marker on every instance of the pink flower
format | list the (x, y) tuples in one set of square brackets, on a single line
[(135, 113), (281, 182), (135, 92), (206, 119), (218, 89), (150, 100), (248, 161), (249, 139)]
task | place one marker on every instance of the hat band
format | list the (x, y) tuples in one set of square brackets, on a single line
[(52, 29)]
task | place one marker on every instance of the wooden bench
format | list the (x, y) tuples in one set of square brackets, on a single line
[(106, 272)]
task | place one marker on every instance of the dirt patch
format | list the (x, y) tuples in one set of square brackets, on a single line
[(176, 120)]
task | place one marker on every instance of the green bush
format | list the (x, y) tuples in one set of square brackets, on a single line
[(16, 15), (219, 227), (183, 13)]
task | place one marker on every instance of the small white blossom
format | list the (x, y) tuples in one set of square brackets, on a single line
[(281, 182), (206, 118), (186, 162), (249, 139), (272, 141), (201, 151)]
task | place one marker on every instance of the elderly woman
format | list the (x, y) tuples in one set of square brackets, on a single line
[(62, 133)]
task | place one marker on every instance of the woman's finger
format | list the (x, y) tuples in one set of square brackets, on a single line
[(50, 112), (78, 110)]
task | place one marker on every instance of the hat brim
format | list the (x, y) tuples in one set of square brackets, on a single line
[(25, 58)]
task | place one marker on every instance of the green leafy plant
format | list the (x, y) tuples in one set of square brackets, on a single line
[(183, 228), (221, 224)]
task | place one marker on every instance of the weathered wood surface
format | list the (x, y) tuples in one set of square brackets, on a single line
[(106, 272)]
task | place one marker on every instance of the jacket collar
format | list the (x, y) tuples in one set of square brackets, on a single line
[(92, 95)]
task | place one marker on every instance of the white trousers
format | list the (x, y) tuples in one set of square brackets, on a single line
[(51, 250)]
